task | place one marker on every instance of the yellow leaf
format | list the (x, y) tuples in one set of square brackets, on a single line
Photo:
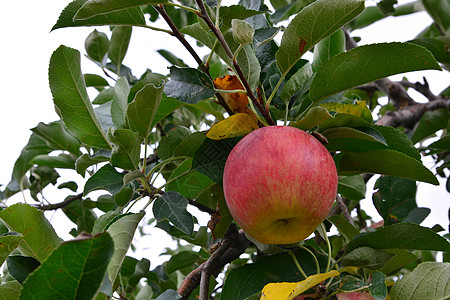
[(349, 269), (235, 125), (359, 109), (289, 290)]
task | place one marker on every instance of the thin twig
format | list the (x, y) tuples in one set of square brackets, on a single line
[(344, 209), (61, 204), (204, 15), (422, 88), (176, 33)]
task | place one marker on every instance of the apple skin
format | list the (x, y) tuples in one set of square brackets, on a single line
[(280, 184)]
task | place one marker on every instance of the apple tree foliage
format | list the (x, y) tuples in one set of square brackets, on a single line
[(152, 147)]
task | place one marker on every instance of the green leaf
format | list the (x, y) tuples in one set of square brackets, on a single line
[(8, 243), (127, 147), (39, 237), (190, 185), (94, 8), (63, 161), (35, 146), (401, 236), (146, 78), (298, 80), (21, 266), (249, 279), (327, 48), (228, 13), (96, 45), (344, 226), (166, 107), (439, 10), (438, 46), (398, 141), (80, 214), (430, 122), (96, 81), (86, 160), (123, 197), (172, 58), (104, 96), (87, 257), (169, 295), (349, 69), (378, 288), (189, 145), (182, 260), (314, 23), (171, 206), (366, 257), (142, 110), (120, 102), (429, 280), (131, 16), (101, 224), (355, 140), (401, 258), (56, 136), (313, 118), (385, 162), (442, 144), (71, 185), (171, 140), (352, 187), (211, 156), (359, 108), (189, 85), (10, 290), (106, 178), (122, 232), (118, 46), (395, 198), (71, 99)]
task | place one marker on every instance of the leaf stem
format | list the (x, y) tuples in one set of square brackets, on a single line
[(231, 91), (328, 246), (314, 257), (294, 258), (172, 180)]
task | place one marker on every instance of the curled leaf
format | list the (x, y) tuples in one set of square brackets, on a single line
[(237, 102)]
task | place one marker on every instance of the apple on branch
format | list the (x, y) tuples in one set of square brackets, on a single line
[(280, 184)]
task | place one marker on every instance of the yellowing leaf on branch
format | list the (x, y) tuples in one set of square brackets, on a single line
[(237, 102), (289, 290), (359, 109), (233, 126)]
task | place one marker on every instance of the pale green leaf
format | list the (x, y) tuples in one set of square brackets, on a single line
[(142, 110), (71, 99), (122, 232), (10, 290), (39, 237), (429, 280), (8, 243), (120, 102)]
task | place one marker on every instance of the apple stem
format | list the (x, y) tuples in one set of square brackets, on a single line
[(328, 246), (314, 257), (291, 253)]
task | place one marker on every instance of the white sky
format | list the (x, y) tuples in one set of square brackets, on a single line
[(25, 100)]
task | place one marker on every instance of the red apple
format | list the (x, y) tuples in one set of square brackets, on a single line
[(280, 184)]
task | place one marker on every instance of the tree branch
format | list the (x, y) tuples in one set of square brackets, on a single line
[(422, 88), (204, 15), (176, 32), (61, 204), (233, 245)]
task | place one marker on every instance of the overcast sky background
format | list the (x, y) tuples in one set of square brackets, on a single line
[(26, 47)]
